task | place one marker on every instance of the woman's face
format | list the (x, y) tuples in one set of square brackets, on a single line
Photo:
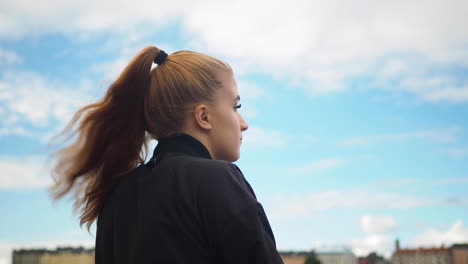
[(228, 124)]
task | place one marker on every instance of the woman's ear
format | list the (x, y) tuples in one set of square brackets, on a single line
[(202, 117)]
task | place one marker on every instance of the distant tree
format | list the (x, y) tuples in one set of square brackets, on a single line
[(312, 258), (374, 258)]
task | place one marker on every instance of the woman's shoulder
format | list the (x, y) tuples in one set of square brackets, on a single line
[(213, 176), (202, 166)]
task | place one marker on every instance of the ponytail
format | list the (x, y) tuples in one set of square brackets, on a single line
[(111, 135), (110, 140)]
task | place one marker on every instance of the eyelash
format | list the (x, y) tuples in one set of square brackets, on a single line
[(238, 106)]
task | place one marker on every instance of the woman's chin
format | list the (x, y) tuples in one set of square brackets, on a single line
[(234, 157)]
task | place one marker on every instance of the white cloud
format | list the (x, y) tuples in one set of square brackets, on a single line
[(9, 57), (393, 67), (290, 206), (457, 233), (259, 137), (377, 224), (325, 52), (317, 166), (421, 181), (248, 113), (432, 81), (320, 43), (28, 98), (250, 90), (356, 141), (375, 239), (380, 243), (433, 136), (15, 131), (22, 17), (447, 93), (23, 173), (127, 48), (111, 69), (458, 152)]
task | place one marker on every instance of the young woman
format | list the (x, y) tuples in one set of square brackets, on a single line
[(189, 203)]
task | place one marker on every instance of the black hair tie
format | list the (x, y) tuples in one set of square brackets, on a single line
[(161, 57)]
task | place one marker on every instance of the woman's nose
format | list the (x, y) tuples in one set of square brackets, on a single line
[(244, 125)]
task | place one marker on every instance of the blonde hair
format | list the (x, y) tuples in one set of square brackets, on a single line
[(112, 134)]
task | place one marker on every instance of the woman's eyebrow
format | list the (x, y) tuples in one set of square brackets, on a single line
[(237, 98)]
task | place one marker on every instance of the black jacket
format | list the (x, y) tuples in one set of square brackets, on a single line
[(184, 207)]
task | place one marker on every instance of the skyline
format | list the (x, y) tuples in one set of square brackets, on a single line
[(357, 112)]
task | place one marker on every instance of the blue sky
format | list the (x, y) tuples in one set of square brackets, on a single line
[(358, 131)]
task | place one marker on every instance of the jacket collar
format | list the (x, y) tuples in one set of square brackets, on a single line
[(181, 143)]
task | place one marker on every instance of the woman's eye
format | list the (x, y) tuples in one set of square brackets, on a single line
[(238, 106)]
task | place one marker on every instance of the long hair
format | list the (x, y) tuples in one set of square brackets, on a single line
[(111, 135)]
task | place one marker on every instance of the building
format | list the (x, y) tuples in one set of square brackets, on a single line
[(423, 256), (63, 255), (372, 258), (32, 256), (339, 257), (294, 257), (346, 257), (460, 253), (457, 254)]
